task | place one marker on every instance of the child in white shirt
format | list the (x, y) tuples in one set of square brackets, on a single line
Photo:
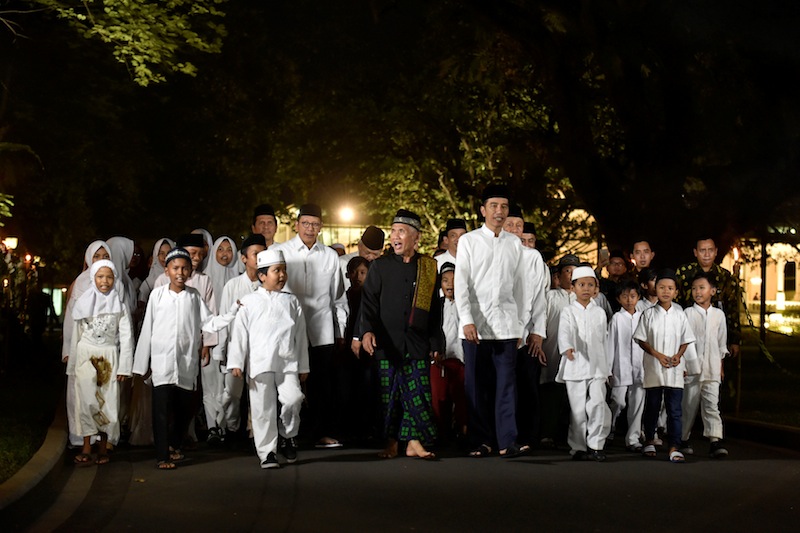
[(268, 339), (625, 357), (664, 334), (584, 368), (169, 347), (702, 382)]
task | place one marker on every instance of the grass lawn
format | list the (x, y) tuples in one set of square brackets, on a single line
[(29, 392)]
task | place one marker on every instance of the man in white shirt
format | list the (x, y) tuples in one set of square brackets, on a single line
[(456, 227), (493, 308), (316, 280)]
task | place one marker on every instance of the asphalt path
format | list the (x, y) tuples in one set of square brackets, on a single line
[(755, 488)]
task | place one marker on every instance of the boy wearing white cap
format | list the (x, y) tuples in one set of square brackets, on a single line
[(584, 368), (268, 339)]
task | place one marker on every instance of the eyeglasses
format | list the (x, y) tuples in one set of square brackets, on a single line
[(309, 225)]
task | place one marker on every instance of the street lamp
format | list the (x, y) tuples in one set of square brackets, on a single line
[(11, 242), (346, 214)]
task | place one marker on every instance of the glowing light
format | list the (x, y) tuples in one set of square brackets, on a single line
[(346, 214), (11, 242), (735, 254), (28, 258), (755, 280)]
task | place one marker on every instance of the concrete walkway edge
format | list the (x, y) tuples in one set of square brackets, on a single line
[(39, 468)]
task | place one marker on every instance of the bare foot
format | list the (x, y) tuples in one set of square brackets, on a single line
[(390, 451), (416, 449)]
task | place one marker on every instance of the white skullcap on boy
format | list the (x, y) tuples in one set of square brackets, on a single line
[(583, 272), (269, 257)]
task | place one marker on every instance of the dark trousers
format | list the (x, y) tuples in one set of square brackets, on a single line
[(321, 391), (652, 406), (172, 411), (528, 417), (490, 381), (554, 411)]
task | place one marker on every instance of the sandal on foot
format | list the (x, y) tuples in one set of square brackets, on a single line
[(176, 455), (649, 450), (676, 457), (83, 459), (102, 459), (634, 448), (166, 465), (514, 450), (481, 451)]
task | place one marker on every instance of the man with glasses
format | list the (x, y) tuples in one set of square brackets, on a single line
[(316, 279)]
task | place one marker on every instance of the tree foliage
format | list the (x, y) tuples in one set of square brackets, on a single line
[(151, 37)]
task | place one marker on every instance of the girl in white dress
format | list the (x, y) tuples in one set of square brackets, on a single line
[(101, 356)]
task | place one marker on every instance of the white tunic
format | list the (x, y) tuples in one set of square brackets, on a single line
[(711, 347), (234, 290), (441, 259), (169, 343), (453, 346), (555, 301), (315, 278), (583, 330), (202, 283), (665, 331), (490, 287), (538, 277), (624, 353), (269, 335)]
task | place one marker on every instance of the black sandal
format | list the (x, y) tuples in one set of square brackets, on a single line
[(481, 451)]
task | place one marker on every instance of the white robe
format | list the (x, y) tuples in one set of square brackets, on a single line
[(711, 346), (625, 356), (555, 301), (170, 340), (583, 330), (665, 331)]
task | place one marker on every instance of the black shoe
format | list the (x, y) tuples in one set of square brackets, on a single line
[(271, 461), (597, 455), (214, 437), (288, 448), (717, 450), (580, 455)]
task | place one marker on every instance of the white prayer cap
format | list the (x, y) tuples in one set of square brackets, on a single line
[(270, 257), (583, 272)]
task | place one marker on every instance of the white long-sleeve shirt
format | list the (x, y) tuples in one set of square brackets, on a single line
[(202, 283), (582, 330), (538, 277), (315, 278), (624, 354), (711, 345), (269, 335), (665, 331), (453, 347), (234, 290), (170, 341), (555, 301), (490, 286)]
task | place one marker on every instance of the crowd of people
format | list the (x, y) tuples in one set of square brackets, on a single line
[(483, 345)]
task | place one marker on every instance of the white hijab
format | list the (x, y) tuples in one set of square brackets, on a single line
[(95, 303), (210, 242), (121, 255), (219, 274), (84, 280), (156, 269)]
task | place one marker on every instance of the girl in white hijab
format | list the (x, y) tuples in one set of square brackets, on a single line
[(160, 250), (222, 265), (96, 251), (101, 356), (121, 255)]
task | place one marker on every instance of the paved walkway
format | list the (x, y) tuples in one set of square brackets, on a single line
[(756, 488)]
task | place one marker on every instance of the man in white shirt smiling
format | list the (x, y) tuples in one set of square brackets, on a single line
[(493, 308)]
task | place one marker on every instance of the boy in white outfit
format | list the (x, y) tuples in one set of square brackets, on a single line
[(664, 334), (701, 389), (268, 338), (584, 368), (625, 357)]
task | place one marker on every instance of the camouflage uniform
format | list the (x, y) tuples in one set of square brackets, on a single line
[(727, 297)]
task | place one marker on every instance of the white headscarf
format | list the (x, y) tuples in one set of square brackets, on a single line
[(156, 268), (219, 274), (121, 255), (82, 283), (210, 242), (93, 302)]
